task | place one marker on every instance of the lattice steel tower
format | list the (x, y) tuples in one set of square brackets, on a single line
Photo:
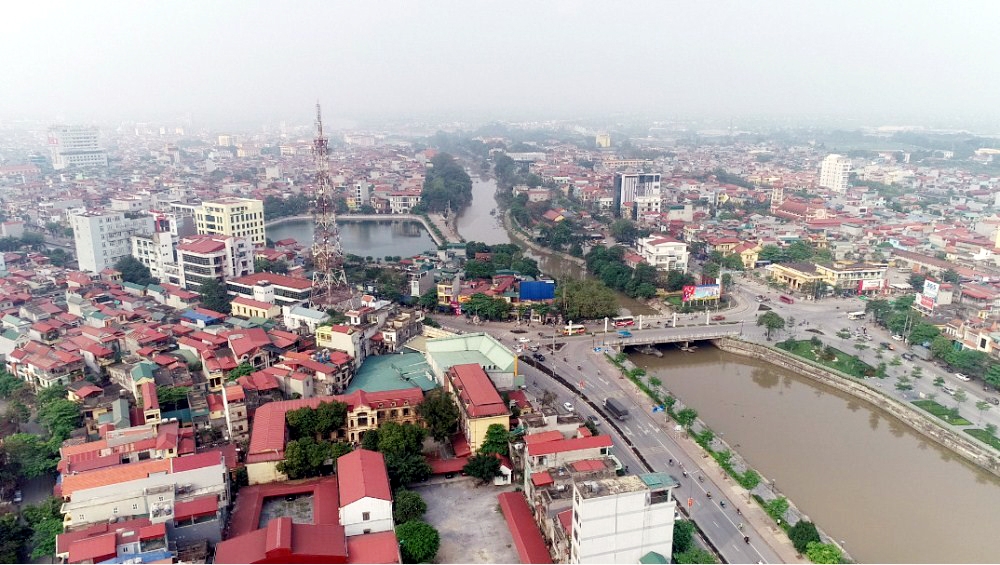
[(329, 284)]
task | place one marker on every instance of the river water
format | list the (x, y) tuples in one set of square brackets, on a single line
[(863, 477), (369, 238)]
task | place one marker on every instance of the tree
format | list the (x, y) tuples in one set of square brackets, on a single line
[(687, 416), (483, 467), (46, 522), (960, 397), (624, 231), (991, 429), (369, 440), (330, 417), (683, 535), (487, 307), (305, 458), (172, 395), (60, 417), (586, 299), (401, 439), (916, 280), (771, 321), (951, 276), (694, 555), (823, 553), (497, 441), (677, 280), (261, 265), (13, 536), (418, 541), (301, 423), (903, 384), (440, 413), (982, 406), (241, 370), (446, 185), (429, 299), (134, 271), (214, 296), (406, 468), (9, 385), (879, 309), (407, 505), (802, 533), (938, 381), (941, 347)]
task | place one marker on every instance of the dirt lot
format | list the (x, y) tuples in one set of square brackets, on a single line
[(469, 520)]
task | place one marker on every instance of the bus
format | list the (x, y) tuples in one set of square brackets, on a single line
[(856, 315), (575, 329), (623, 321), (786, 299)]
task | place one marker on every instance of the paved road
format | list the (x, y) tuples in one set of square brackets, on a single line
[(653, 435)]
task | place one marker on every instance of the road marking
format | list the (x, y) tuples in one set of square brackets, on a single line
[(628, 431), (716, 524)]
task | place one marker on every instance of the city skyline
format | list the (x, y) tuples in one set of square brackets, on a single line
[(254, 62)]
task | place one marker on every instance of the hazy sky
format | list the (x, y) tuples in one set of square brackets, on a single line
[(255, 60)]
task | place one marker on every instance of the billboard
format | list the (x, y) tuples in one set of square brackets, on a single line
[(925, 301), (537, 290), (931, 289), (870, 284), (702, 292)]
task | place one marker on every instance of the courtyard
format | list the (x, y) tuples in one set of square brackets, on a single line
[(472, 528)]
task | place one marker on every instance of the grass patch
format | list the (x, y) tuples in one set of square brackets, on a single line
[(829, 357), (985, 437), (949, 415)]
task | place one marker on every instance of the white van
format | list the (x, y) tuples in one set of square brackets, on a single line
[(948, 390)]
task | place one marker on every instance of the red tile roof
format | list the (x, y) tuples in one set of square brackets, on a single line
[(275, 279), (94, 549), (527, 538), (377, 548), (361, 474), (476, 391), (202, 506), (541, 479), (282, 541), (561, 446), (445, 466), (203, 244)]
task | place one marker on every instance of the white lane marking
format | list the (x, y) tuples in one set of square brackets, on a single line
[(628, 431)]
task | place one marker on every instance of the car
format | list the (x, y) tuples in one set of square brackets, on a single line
[(450, 476), (897, 337), (886, 345), (718, 318), (594, 420), (568, 406), (963, 378), (518, 349), (18, 497), (539, 357), (909, 356), (524, 339), (993, 400), (948, 390), (624, 333)]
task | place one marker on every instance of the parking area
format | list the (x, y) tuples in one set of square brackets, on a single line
[(469, 520), (299, 508)]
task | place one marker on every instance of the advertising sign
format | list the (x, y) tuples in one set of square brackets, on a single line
[(931, 289), (702, 292), (925, 301), (870, 284)]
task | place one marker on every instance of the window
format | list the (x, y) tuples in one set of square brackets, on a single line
[(135, 507), (367, 531), (114, 510), (364, 515)]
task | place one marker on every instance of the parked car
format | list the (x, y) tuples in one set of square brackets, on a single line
[(568, 406), (718, 318), (897, 337), (948, 390), (963, 378), (909, 356), (594, 419), (993, 400), (18, 497), (524, 339), (886, 345), (539, 357)]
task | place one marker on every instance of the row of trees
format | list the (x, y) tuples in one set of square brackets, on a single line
[(796, 252), (504, 256), (294, 205)]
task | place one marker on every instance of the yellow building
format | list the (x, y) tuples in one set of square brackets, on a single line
[(603, 140), (863, 277), (479, 404), (239, 217), (749, 254), (794, 275), (249, 308)]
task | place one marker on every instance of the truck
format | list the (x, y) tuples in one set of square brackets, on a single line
[(615, 408), (786, 299)]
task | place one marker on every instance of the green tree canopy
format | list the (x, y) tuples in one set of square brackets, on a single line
[(429, 299), (134, 271), (771, 321), (683, 535), (586, 299), (823, 553), (440, 413), (60, 417), (802, 533), (624, 231), (13, 537), (446, 184), (407, 505), (405, 468), (418, 541), (30, 455), (497, 441), (306, 457), (483, 467), (401, 439), (214, 296), (487, 307), (694, 555)]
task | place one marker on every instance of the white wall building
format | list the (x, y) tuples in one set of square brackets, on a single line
[(621, 519), (104, 237), (76, 146), (835, 172), (219, 257), (365, 498), (629, 186), (664, 253)]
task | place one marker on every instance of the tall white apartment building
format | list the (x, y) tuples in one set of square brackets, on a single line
[(237, 217), (156, 250), (103, 237), (835, 172), (622, 519), (664, 253), (204, 257), (629, 186), (76, 146)]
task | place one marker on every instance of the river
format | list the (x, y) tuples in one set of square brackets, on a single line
[(863, 477), (476, 223), (369, 238)]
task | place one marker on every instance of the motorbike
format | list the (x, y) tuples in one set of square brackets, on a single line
[(722, 503)]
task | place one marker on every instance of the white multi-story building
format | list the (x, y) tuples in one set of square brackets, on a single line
[(204, 257), (622, 519), (156, 251), (835, 172), (664, 253), (629, 186), (76, 146), (104, 237)]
